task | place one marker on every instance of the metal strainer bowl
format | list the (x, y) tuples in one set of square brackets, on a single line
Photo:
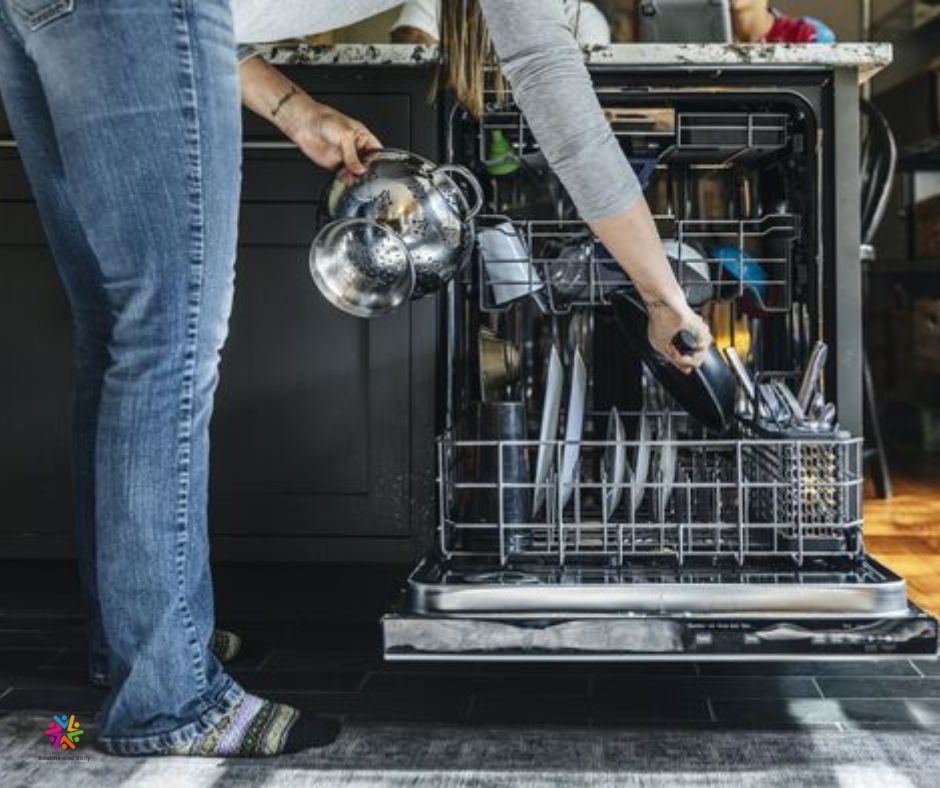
[(362, 267)]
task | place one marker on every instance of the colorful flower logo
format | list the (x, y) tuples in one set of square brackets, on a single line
[(64, 732)]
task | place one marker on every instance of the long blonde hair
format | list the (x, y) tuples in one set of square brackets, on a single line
[(468, 61)]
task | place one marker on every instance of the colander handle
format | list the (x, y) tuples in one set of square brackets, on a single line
[(452, 170)]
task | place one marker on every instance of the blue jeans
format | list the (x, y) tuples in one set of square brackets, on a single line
[(127, 117)]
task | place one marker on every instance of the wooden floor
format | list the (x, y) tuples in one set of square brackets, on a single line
[(904, 532)]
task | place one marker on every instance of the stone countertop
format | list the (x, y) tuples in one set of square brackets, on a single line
[(868, 58)]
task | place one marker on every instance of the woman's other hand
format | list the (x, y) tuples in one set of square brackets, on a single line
[(665, 322)]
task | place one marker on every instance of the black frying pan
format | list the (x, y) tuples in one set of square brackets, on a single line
[(708, 393)]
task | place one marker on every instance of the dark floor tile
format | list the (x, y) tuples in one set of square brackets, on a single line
[(644, 668), (329, 637), (880, 687), (460, 667), (302, 680), (255, 648), (364, 660), (928, 667), (652, 711), (54, 607), (26, 659), (32, 634), (859, 668), (410, 708), (286, 660), (259, 635), (66, 657), (431, 682), (71, 700), (555, 684), (505, 709), (706, 687), (67, 677), (250, 659), (591, 669), (849, 711), (72, 623), (333, 704), (40, 604), (409, 683)]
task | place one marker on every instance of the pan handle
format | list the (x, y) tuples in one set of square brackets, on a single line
[(455, 172)]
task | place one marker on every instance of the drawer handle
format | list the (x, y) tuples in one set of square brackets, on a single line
[(268, 145), (248, 144)]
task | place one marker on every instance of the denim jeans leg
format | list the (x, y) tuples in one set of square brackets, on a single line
[(25, 105), (144, 102)]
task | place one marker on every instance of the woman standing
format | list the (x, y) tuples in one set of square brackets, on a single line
[(127, 118), (128, 123)]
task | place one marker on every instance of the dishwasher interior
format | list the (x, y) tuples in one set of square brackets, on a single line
[(582, 512)]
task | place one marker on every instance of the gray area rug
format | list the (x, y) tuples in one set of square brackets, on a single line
[(468, 757)]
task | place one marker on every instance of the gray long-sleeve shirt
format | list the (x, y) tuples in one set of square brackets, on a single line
[(543, 64)]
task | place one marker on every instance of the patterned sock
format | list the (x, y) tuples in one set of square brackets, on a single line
[(225, 645), (257, 728)]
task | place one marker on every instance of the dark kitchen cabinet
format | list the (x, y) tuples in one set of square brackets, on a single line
[(324, 424), (35, 401)]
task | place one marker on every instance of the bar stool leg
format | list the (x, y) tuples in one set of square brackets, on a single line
[(881, 475)]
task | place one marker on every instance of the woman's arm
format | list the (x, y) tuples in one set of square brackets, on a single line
[(326, 136), (551, 85)]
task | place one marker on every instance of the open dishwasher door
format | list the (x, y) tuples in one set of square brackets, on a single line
[(635, 532), (617, 615), (751, 551)]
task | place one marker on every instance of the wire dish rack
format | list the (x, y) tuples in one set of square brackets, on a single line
[(669, 492), (665, 134), (562, 265)]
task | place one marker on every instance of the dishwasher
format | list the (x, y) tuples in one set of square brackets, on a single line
[(582, 512)]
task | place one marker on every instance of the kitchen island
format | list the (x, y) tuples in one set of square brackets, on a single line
[(867, 58), (325, 425)]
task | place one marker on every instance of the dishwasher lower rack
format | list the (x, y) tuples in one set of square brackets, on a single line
[(829, 609), (682, 494)]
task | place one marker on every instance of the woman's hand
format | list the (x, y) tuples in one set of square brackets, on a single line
[(326, 136), (665, 322), (330, 138)]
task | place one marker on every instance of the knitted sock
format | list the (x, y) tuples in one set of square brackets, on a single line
[(257, 728), (225, 645)]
